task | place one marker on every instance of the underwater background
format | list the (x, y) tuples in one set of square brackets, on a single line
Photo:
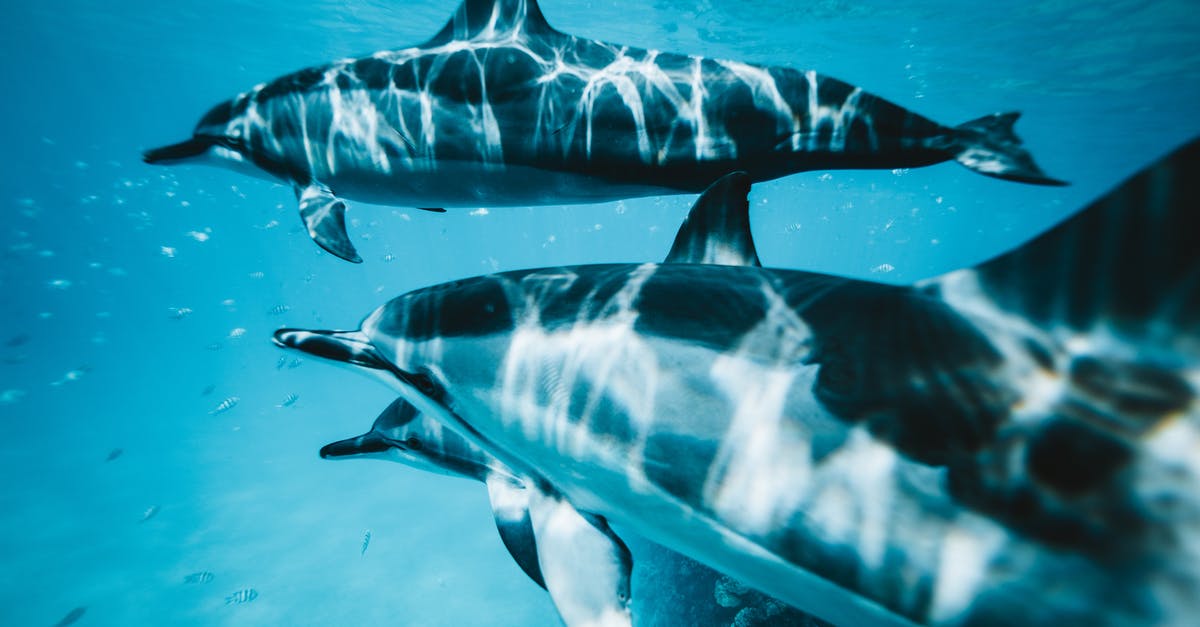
[(138, 299)]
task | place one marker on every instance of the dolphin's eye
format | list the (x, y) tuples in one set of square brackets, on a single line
[(413, 444), (424, 384)]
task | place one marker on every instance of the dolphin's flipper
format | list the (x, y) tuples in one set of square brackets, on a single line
[(510, 506), (325, 217), (717, 229), (989, 146), (586, 566)]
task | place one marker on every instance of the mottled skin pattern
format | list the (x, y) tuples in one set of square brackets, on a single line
[(500, 108), (1015, 443)]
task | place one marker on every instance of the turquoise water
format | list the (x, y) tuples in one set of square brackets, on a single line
[(131, 290)]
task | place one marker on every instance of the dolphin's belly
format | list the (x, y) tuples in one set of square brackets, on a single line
[(475, 184)]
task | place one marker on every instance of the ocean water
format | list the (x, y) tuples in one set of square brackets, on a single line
[(138, 298)]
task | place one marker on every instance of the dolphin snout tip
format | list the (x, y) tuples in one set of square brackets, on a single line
[(181, 151), (287, 338)]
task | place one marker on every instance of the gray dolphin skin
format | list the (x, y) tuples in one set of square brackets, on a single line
[(1012, 443), (501, 109)]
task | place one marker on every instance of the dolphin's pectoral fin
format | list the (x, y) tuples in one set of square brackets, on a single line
[(717, 229), (586, 566), (325, 217), (433, 209), (510, 506)]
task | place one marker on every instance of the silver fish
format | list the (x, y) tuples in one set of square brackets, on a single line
[(279, 310), (225, 406), (366, 542), (242, 596), (199, 577), (289, 401), (150, 512)]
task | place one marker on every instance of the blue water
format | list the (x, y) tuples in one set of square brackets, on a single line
[(101, 253)]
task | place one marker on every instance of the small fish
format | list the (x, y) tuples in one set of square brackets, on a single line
[(208, 389), (289, 401), (179, 313), (201, 577), (281, 363), (257, 275), (214, 346), (17, 340), (279, 310), (113, 454), (236, 333), (59, 284), (294, 363), (149, 513), (71, 617), (366, 542), (883, 267), (242, 596), (167, 252), (225, 406), (199, 236)]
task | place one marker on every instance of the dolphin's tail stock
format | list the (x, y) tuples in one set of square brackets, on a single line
[(1099, 320), (989, 146), (1128, 263)]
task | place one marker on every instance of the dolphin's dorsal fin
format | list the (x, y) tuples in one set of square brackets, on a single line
[(510, 507), (1129, 262), (325, 218), (717, 229), (587, 568), (489, 19)]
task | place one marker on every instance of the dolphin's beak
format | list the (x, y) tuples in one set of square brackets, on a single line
[(362, 445), (350, 347), (182, 151)]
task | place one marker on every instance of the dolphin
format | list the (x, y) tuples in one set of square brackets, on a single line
[(592, 580), (1009, 443), (500, 108), (575, 556), (591, 565)]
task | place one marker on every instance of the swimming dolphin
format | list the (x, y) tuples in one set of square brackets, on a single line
[(1011, 443), (587, 567), (593, 587), (500, 108), (591, 565)]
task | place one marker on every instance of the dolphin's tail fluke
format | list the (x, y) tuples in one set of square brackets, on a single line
[(989, 146), (189, 149)]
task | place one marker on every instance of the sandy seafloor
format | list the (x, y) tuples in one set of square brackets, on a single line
[(93, 357)]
